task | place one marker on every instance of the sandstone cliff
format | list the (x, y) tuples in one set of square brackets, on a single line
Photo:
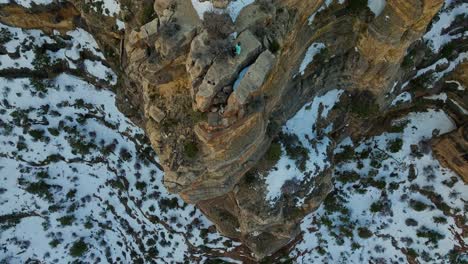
[(212, 115)]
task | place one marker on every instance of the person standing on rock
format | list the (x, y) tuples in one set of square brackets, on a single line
[(237, 49)]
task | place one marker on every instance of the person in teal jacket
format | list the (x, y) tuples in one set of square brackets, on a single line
[(238, 49)]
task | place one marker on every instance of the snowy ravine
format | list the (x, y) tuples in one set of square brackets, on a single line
[(392, 201), (79, 180)]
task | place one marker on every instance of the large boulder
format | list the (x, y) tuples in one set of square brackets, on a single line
[(225, 70)]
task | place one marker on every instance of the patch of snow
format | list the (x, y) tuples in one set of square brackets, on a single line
[(332, 235), (94, 164), (233, 9), (240, 77), (402, 98), (120, 24), (313, 50), (441, 96), (302, 125), (28, 3), (460, 86), (446, 17), (463, 110), (376, 6)]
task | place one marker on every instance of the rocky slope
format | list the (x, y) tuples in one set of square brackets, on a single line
[(250, 139)]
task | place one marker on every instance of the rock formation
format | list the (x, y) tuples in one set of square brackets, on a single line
[(211, 115)]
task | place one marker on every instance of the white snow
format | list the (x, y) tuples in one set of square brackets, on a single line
[(28, 3), (460, 86), (376, 6), (327, 228), (302, 125), (313, 50), (441, 96), (240, 77), (463, 110), (435, 35), (233, 9), (402, 98), (81, 149)]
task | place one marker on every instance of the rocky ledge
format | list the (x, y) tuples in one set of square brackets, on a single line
[(212, 112)]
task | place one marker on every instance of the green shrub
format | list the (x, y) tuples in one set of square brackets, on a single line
[(345, 155), (42, 175), (274, 46), (191, 149), (395, 145), (147, 14), (41, 60), (40, 188), (448, 49), (54, 243), (66, 220), (357, 5), (412, 253), (140, 185), (88, 224), (5, 36), (78, 248), (348, 177), (53, 131), (36, 134), (376, 207), (274, 152), (418, 205), (364, 233), (440, 220), (431, 235), (363, 105)]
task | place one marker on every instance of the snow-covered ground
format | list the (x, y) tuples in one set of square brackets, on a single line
[(303, 125), (313, 50), (390, 201), (79, 180), (233, 9)]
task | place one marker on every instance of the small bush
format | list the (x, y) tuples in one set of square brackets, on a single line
[(147, 14), (5, 36), (376, 207), (217, 25), (411, 222), (169, 29), (78, 248), (191, 149), (364, 233), (41, 60), (36, 134), (448, 49), (66, 220), (274, 46), (440, 220), (357, 5), (395, 145), (348, 176), (40, 188), (345, 155), (140, 185), (431, 235), (54, 243), (363, 104), (418, 206), (88, 224), (274, 152)]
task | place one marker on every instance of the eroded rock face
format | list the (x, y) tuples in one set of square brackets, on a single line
[(212, 115), (452, 151)]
